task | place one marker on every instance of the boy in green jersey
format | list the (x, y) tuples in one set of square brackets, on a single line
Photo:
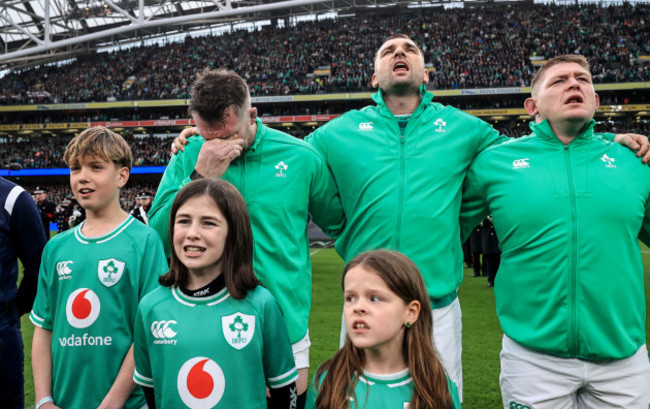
[(91, 280)]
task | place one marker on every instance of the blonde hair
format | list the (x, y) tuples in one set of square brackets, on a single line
[(100, 142)]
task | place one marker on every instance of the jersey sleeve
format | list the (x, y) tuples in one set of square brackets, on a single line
[(154, 264), (488, 136), (312, 390), (279, 366), (177, 174), (453, 392), (474, 207), (41, 314), (324, 201), (28, 240), (644, 234), (142, 375)]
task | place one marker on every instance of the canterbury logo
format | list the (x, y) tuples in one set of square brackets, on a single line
[(63, 269), (521, 163), (162, 329), (365, 126)]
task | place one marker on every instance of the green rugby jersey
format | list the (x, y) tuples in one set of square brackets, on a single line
[(88, 292), (569, 219), (391, 391), (211, 352)]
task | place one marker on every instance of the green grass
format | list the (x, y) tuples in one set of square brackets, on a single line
[(481, 331)]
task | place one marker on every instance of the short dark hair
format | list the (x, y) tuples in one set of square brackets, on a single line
[(393, 37), (238, 250), (560, 59), (214, 91)]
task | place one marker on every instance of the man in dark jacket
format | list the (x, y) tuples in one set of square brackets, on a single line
[(21, 237)]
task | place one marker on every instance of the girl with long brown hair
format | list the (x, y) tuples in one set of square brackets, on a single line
[(388, 359)]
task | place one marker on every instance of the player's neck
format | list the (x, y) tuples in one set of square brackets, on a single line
[(102, 221), (567, 130), (402, 104)]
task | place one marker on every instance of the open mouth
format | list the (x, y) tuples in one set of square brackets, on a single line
[(193, 250), (359, 325), (85, 191), (400, 66), (574, 100)]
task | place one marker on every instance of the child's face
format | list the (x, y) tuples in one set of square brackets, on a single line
[(374, 315), (96, 183), (200, 232)]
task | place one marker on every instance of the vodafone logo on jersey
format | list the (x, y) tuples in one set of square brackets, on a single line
[(201, 383), (82, 308)]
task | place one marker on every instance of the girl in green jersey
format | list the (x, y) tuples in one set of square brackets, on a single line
[(388, 359)]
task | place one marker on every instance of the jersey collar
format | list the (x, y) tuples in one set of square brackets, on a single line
[(543, 130), (194, 301), (106, 237), (427, 97)]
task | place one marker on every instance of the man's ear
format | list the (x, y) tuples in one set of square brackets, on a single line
[(597, 102), (374, 82), (426, 76), (252, 115), (530, 104)]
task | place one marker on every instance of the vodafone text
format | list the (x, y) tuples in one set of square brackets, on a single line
[(85, 340)]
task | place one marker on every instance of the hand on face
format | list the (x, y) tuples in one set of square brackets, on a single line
[(216, 155)]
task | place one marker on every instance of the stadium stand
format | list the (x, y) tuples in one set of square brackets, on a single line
[(485, 47)]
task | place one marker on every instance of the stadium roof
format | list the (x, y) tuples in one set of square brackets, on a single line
[(34, 32)]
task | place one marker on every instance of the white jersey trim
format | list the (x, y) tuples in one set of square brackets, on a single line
[(10, 201), (117, 232), (395, 385), (182, 301), (287, 382), (36, 320), (82, 239)]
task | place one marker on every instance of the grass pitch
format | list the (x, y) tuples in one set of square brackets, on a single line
[(481, 331)]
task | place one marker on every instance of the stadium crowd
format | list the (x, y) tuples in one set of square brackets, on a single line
[(481, 47), (58, 193), (36, 153)]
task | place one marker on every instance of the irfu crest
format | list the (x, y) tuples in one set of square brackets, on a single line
[(238, 329), (110, 271)]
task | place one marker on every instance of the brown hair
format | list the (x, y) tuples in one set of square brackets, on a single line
[(101, 142), (561, 59), (392, 38), (238, 248), (214, 91), (403, 278)]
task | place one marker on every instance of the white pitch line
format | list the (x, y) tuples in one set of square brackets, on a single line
[(646, 252), (315, 251)]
